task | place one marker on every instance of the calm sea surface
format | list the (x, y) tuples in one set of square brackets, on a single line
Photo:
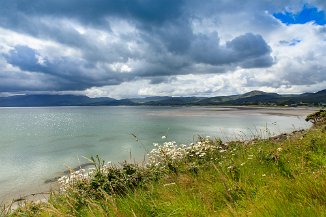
[(37, 144)]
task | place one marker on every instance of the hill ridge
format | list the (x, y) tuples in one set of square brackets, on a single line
[(254, 97)]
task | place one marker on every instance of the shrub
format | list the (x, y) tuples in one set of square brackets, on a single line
[(317, 117), (105, 177)]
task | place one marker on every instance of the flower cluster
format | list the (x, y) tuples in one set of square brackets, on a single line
[(81, 175), (69, 180), (171, 152), (164, 155)]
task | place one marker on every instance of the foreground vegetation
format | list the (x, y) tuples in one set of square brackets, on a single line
[(280, 176)]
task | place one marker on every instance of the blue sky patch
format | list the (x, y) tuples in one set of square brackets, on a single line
[(307, 14)]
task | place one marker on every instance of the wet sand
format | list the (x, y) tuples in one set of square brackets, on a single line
[(236, 110)]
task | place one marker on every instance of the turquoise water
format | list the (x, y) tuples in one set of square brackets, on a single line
[(39, 143)]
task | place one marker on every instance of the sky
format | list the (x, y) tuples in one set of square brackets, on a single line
[(139, 48)]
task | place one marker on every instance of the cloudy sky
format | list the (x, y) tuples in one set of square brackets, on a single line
[(136, 48)]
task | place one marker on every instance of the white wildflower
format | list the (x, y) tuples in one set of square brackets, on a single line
[(170, 151)]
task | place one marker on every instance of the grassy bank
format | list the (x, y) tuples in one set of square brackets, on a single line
[(280, 176)]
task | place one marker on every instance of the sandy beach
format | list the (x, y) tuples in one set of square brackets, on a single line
[(238, 110)]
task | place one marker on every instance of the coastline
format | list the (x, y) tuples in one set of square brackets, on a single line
[(240, 110)]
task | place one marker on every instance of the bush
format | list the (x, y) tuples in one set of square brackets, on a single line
[(105, 177), (317, 117)]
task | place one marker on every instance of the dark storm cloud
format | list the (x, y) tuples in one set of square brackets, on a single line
[(25, 58), (12, 81), (95, 11), (66, 73), (40, 18), (247, 50), (166, 44)]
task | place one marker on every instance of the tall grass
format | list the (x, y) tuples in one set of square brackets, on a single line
[(280, 176)]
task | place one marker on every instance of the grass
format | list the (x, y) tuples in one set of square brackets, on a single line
[(282, 176)]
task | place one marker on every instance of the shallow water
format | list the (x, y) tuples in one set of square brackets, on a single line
[(37, 144)]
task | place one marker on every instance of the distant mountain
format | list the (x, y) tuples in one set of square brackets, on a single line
[(321, 93), (253, 96), (258, 93), (176, 101), (150, 99), (250, 98), (40, 100)]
